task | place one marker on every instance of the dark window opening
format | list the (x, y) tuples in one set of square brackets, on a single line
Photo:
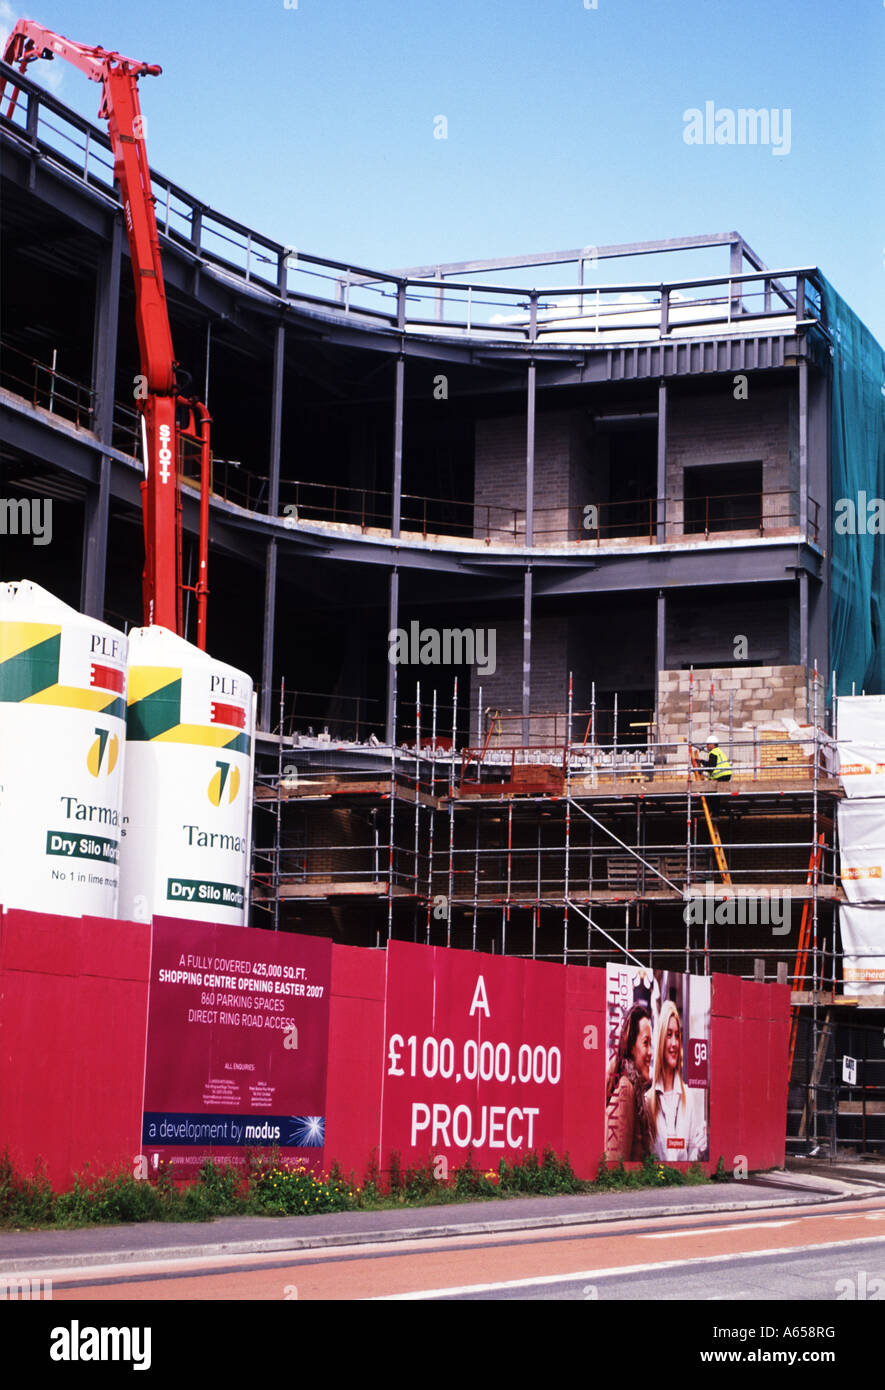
[(721, 498)]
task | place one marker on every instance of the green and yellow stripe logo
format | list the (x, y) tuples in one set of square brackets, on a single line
[(29, 667), (154, 714)]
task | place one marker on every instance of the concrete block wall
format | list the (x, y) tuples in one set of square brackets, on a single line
[(717, 429), (761, 694)]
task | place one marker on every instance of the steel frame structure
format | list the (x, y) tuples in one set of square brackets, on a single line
[(226, 269)]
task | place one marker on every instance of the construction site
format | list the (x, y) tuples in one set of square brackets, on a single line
[(506, 547)]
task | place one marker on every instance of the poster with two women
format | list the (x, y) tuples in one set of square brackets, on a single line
[(657, 1065)]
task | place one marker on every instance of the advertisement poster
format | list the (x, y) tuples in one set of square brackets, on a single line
[(474, 1048), (657, 1065), (237, 1044)]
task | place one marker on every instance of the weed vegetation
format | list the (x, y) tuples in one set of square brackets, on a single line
[(268, 1185)]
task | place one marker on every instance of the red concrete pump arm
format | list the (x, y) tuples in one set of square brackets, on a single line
[(167, 416)]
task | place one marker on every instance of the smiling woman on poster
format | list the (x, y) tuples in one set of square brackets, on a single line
[(679, 1133), (628, 1132)]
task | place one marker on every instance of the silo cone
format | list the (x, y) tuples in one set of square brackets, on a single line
[(62, 737), (188, 790)]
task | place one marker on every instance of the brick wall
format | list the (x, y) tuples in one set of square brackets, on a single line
[(717, 429), (503, 690), (705, 627), (561, 476), (338, 846)]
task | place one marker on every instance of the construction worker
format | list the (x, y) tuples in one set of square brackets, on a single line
[(718, 766)]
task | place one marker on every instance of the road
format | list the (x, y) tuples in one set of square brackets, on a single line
[(819, 1252)]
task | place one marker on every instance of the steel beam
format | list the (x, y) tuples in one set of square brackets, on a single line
[(602, 253)]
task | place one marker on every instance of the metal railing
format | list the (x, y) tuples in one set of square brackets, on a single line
[(45, 386), (646, 520), (628, 312)]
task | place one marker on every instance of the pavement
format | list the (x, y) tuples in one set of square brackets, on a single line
[(32, 1251)]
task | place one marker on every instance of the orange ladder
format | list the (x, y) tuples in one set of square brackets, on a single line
[(715, 838), (802, 948)]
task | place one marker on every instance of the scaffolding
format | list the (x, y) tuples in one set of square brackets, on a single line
[(578, 847)]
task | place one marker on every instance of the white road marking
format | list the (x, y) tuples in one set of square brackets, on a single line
[(715, 1230), (539, 1281)]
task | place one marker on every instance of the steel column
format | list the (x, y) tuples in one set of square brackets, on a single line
[(273, 507), (104, 361), (661, 529), (392, 624), (527, 654), (735, 267), (803, 447), (530, 458), (529, 541), (660, 643), (399, 384)]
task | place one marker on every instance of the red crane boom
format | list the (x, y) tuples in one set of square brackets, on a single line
[(167, 416)]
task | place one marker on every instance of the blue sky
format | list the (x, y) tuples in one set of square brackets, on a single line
[(565, 124)]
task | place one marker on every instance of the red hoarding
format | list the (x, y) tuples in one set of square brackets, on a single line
[(474, 1048), (237, 1044)]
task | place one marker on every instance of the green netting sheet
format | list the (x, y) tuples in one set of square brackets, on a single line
[(857, 612)]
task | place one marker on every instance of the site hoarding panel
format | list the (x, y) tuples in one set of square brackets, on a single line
[(237, 1044), (75, 991), (473, 1059), (73, 1001), (731, 1071)]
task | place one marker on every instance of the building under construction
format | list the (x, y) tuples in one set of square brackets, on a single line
[(501, 544)]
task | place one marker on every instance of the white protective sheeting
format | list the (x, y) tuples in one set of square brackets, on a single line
[(861, 726), (862, 850), (863, 948)]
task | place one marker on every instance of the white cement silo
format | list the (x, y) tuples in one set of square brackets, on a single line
[(188, 791), (62, 737)]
